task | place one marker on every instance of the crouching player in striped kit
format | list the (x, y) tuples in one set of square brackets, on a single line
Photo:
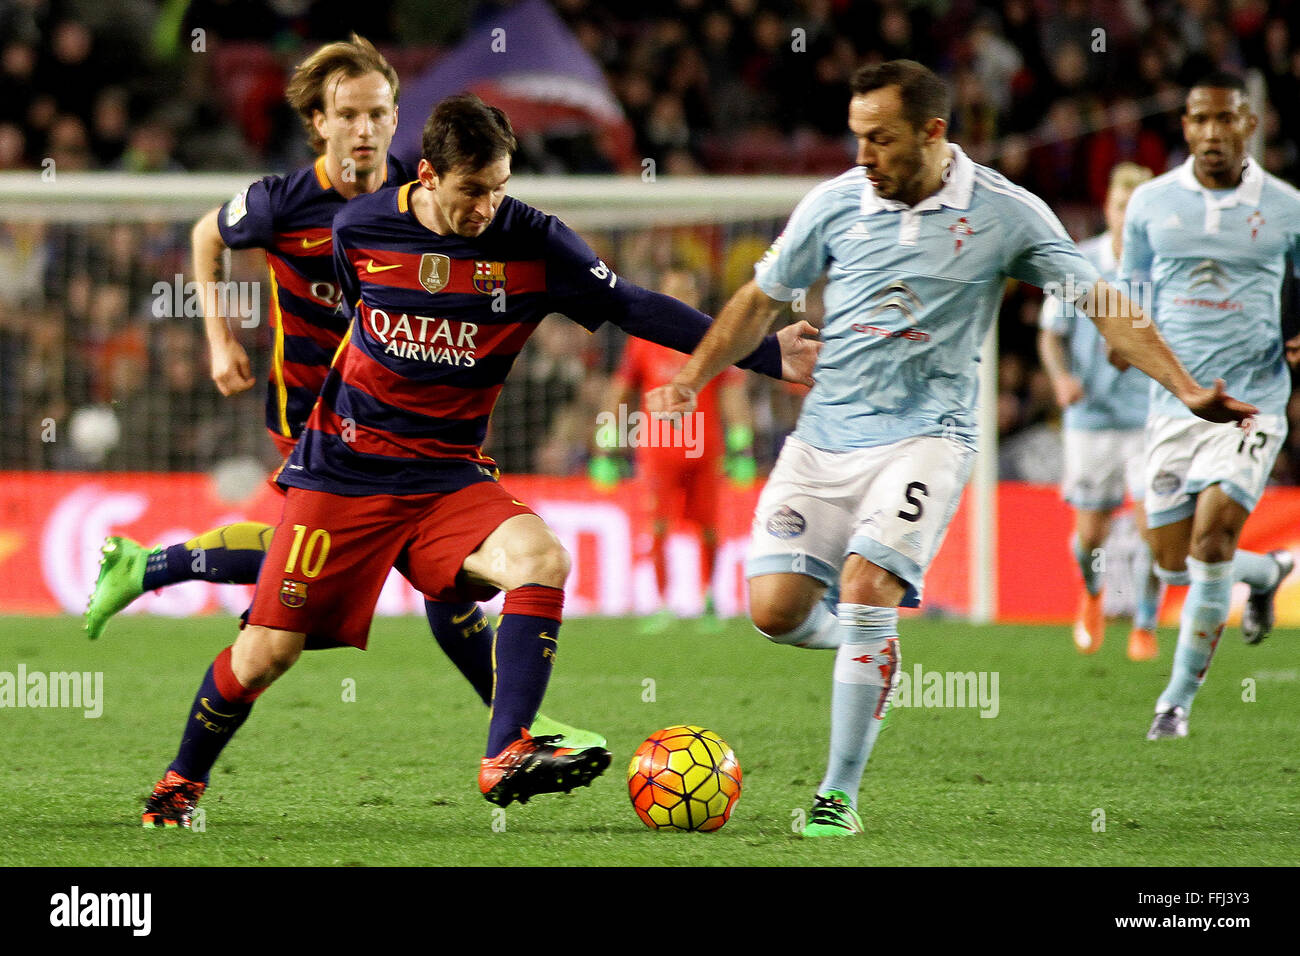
[(444, 280), (918, 241)]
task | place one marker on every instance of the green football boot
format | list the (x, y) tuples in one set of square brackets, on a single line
[(120, 581), (832, 815), (572, 737)]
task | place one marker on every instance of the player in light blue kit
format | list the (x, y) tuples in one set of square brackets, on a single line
[(918, 241), (1105, 410), (1212, 237)]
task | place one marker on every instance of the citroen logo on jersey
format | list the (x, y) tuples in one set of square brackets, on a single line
[(313, 243), (898, 296), (435, 271), (372, 268), (1208, 272)]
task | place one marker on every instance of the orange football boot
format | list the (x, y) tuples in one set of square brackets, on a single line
[(1142, 645), (1089, 624)]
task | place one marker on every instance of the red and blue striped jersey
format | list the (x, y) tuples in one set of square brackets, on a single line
[(437, 323), (292, 218)]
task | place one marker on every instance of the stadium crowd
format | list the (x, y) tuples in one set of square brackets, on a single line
[(1051, 92)]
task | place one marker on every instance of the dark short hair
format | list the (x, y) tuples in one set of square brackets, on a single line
[(465, 131), (924, 95), (1221, 80)]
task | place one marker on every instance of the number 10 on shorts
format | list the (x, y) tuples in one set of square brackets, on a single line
[(313, 552)]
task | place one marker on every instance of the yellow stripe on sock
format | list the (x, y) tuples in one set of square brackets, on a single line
[(240, 536)]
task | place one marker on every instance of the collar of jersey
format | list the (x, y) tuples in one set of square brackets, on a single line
[(323, 179), (955, 192), (1246, 193)]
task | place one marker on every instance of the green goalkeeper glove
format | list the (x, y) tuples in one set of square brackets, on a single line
[(739, 464), (604, 472)]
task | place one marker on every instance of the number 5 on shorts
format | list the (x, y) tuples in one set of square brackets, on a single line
[(314, 553)]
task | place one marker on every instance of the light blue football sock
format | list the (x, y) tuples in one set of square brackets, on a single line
[(1258, 570), (820, 631), (1204, 611), (1089, 567), (866, 670), (1147, 588)]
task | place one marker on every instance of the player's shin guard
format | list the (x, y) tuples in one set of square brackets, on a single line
[(522, 656), (866, 671), (465, 635), (1257, 570), (820, 631), (1204, 612), (1171, 578), (1089, 567), (220, 707), (231, 554)]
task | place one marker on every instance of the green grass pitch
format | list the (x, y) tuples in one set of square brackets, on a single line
[(388, 778)]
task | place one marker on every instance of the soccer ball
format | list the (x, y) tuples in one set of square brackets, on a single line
[(684, 778)]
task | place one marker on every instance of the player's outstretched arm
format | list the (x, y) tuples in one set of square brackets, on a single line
[(1135, 339), (211, 258), (1056, 363), (737, 331)]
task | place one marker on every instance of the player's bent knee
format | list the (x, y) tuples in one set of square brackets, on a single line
[(548, 565), (261, 655), (778, 622), (1215, 546)]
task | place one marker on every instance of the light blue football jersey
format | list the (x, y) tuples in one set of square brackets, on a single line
[(912, 291), (1216, 265), (1111, 399)]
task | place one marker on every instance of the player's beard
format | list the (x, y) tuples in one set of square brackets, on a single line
[(905, 177)]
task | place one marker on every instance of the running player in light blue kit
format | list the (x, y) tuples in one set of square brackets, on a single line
[(918, 241), (1105, 411), (1212, 237)]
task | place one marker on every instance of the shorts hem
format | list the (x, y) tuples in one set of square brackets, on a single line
[(815, 568), (889, 559)]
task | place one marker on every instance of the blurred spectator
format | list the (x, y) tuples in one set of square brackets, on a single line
[(1123, 139), (149, 150), (68, 144), (13, 147)]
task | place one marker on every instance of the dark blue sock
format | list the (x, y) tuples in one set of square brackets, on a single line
[(523, 654), (220, 707), (465, 636), (231, 554)]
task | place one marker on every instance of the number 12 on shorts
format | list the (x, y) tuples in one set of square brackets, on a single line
[(313, 552)]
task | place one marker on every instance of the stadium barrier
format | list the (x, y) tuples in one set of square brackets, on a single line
[(51, 526)]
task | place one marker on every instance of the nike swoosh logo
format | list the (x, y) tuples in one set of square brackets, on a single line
[(206, 703), (516, 501), (371, 267), (462, 618), (313, 243)]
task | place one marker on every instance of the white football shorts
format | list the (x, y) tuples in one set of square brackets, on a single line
[(890, 504), (1186, 455), (1100, 465)]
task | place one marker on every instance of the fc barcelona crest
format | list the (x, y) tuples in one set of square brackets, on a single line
[(435, 271), (293, 593), (489, 276)]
